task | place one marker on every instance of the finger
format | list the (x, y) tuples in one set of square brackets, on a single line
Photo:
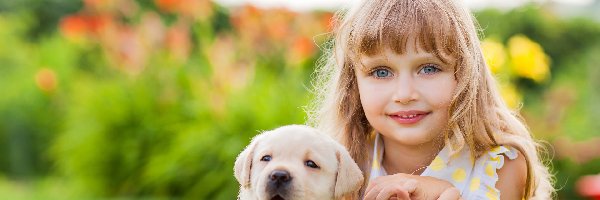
[(381, 180), (377, 184), (370, 186), (451, 193), (371, 192), (411, 185), (397, 190)]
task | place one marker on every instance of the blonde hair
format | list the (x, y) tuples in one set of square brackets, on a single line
[(447, 30)]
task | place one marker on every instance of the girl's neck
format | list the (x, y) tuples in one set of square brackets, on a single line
[(398, 158)]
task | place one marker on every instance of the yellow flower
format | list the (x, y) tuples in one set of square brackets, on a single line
[(528, 58), (494, 54), (510, 94)]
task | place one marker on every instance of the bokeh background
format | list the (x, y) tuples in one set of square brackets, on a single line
[(154, 99)]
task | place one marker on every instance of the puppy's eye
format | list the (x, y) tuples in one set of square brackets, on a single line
[(312, 164), (266, 158)]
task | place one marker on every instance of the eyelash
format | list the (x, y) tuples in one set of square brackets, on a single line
[(435, 67), (373, 72)]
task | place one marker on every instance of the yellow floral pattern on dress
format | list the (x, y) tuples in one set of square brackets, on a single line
[(437, 164), (475, 182), (489, 169), (475, 178), (459, 175)]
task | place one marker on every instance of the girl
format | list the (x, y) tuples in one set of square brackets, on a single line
[(405, 88)]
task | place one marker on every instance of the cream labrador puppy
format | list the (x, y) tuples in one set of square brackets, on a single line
[(295, 162)]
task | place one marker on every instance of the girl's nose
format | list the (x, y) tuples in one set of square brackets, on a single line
[(405, 89)]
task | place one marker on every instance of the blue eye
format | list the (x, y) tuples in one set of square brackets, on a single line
[(381, 73), (429, 69)]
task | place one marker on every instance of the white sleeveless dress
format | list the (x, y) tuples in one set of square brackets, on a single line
[(474, 180)]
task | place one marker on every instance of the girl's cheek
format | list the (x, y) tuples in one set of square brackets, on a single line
[(441, 89)]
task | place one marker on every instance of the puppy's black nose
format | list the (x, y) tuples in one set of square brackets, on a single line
[(280, 177)]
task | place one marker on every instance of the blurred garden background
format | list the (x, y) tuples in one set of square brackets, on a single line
[(154, 99)]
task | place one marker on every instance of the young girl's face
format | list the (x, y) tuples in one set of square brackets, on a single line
[(406, 96)]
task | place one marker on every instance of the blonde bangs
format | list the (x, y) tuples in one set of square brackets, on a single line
[(391, 23)]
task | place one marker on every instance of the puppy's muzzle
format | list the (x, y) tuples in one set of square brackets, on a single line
[(279, 184), (279, 179)]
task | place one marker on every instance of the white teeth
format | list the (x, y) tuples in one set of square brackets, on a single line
[(408, 116)]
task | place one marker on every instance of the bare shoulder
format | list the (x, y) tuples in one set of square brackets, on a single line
[(512, 177)]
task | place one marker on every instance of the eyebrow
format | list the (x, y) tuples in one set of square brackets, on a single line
[(371, 60), (430, 58), (307, 154)]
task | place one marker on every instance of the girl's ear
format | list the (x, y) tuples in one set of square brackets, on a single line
[(349, 177), (243, 163)]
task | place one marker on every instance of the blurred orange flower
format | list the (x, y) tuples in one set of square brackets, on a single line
[(129, 51), (98, 23), (327, 21), (79, 26), (178, 41), (73, 27), (231, 72), (196, 9), (99, 4), (278, 24), (302, 48), (247, 23), (167, 5), (151, 30), (45, 79)]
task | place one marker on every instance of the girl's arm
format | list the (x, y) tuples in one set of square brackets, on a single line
[(512, 178)]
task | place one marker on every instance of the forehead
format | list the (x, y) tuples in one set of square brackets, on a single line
[(412, 47), (297, 143), (402, 25)]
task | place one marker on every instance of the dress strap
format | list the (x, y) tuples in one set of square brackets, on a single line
[(376, 169), (484, 186)]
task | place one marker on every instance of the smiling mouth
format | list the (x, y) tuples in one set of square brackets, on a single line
[(408, 116), (277, 197)]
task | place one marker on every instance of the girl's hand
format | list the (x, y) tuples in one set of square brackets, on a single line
[(410, 187)]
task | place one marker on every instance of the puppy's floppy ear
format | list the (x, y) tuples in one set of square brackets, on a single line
[(349, 177), (243, 163)]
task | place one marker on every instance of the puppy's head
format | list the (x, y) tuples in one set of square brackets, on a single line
[(296, 162)]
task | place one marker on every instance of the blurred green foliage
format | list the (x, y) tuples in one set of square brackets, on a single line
[(101, 100), (45, 14), (168, 131)]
